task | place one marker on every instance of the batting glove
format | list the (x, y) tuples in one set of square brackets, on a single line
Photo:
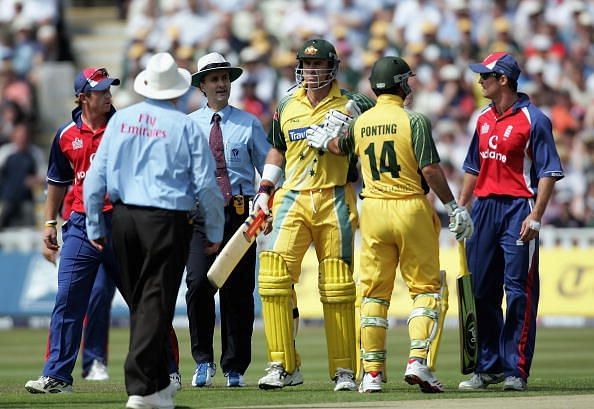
[(318, 137), (336, 123), (461, 223)]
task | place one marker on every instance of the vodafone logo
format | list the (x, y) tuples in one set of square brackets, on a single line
[(493, 142), (492, 153)]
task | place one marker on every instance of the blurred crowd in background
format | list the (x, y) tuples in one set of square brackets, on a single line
[(553, 41)]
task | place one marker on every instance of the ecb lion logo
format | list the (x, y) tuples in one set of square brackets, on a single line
[(311, 50)]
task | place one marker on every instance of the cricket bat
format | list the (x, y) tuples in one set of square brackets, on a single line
[(236, 247), (467, 316)]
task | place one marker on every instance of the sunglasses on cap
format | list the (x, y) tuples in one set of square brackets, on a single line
[(96, 76), (487, 75)]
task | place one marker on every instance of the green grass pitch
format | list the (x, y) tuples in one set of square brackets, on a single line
[(563, 364)]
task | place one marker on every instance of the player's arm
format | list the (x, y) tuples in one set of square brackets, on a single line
[(531, 225), (344, 144), (55, 195), (428, 158), (272, 173), (59, 176), (468, 185)]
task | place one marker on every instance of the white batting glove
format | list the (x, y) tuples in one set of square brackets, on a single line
[(353, 109), (318, 137), (461, 223), (336, 123), (260, 201)]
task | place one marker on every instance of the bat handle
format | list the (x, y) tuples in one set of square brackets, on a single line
[(462, 257), (254, 222)]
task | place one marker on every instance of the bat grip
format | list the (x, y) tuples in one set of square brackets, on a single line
[(462, 258), (254, 226)]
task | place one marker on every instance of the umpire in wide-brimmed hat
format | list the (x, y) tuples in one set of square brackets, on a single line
[(154, 163), (212, 62)]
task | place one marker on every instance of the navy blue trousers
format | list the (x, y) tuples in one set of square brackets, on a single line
[(85, 286), (500, 264)]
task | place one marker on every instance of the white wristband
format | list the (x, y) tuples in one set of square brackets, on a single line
[(533, 225), (272, 173), (451, 206)]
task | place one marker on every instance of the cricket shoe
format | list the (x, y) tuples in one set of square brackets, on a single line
[(175, 379), (204, 373), (98, 372), (419, 374), (276, 377), (480, 381), (234, 379), (47, 384), (162, 399), (371, 382), (514, 383), (344, 380)]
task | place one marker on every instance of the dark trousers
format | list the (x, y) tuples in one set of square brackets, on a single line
[(151, 246), (236, 300)]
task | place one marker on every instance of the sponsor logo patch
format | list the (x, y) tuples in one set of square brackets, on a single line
[(297, 134), (77, 143)]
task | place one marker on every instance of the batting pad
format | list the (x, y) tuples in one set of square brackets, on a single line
[(274, 287), (374, 326), (337, 293), (425, 323)]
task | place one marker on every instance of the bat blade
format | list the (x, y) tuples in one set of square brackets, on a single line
[(236, 248), (229, 257), (467, 316)]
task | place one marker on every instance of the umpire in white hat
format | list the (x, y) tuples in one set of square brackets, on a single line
[(154, 163)]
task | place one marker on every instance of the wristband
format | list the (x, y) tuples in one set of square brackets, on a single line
[(51, 223), (533, 225), (451, 206), (272, 173), (266, 188)]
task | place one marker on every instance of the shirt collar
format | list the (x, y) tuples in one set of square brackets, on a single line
[(390, 99), (522, 102), (77, 116), (223, 113), (301, 93)]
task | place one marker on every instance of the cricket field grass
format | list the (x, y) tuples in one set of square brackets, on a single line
[(562, 376)]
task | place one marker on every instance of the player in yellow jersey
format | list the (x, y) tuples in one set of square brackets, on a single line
[(316, 203), (399, 163)]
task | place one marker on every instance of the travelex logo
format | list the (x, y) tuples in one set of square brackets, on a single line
[(297, 134), (492, 153)]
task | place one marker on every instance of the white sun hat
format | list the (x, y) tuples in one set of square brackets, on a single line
[(162, 79), (213, 62)]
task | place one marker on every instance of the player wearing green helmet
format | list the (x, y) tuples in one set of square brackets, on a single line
[(315, 204), (399, 227), (317, 64)]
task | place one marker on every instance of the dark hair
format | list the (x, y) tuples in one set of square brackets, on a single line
[(513, 84)]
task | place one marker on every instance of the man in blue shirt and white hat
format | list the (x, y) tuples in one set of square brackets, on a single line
[(239, 147), (154, 163)]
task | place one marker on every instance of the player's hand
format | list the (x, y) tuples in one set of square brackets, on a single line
[(260, 202), (49, 255), (336, 123), (352, 109), (318, 137), (211, 248), (99, 243), (50, 239), (530, 229), (461, 223)]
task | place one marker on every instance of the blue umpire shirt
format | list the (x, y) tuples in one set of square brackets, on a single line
[(153, 155), (245, 143)]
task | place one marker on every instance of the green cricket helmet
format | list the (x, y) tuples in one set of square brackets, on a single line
[(316, 49), (388, 72)]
